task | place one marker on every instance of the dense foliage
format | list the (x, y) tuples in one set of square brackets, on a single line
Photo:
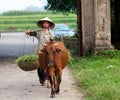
[(62, 5)]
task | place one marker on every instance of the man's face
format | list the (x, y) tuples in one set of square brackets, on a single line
[(46, 24)]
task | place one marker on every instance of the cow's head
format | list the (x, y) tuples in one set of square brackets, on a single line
[(51, 51)]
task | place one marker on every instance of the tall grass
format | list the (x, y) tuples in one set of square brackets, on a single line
[(23, 20), (99, 75)]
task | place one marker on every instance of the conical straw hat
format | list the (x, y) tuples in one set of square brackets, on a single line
[(41, 21)]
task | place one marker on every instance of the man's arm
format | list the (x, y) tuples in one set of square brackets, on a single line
[(31, 33)]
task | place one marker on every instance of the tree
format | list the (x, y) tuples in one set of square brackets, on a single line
[(62, 5)]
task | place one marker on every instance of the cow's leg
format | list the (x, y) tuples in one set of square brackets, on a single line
[(52, 86), (58, 78), (55, 81), (48, 83)]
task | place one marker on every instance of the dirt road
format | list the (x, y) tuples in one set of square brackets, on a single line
[(16, 84), (16, 44)]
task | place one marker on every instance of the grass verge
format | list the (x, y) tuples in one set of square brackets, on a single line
[(99, 75)]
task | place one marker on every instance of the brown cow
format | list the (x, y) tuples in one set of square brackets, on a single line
[(53, 58)]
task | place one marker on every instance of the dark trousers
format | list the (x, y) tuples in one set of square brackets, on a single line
[(42, 75)]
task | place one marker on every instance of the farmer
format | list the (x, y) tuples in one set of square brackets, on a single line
[(44, 35)]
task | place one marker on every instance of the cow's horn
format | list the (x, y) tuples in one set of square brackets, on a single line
[(55, 44)]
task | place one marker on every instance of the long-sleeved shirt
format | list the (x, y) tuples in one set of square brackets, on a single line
[(42, 37)]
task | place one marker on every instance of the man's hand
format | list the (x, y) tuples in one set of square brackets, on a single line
[(27, 31)]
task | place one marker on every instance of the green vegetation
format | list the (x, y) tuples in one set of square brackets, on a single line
[(99, 75), (23, 20), (28, 62), (27, 58)]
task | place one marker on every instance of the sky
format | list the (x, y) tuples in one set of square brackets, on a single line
[(8, 5)]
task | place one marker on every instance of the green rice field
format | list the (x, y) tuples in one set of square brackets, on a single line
[(22, 20)]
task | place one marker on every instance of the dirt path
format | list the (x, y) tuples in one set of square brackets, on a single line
[(16, 84)]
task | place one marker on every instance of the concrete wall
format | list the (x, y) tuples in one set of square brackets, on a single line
[(96, 25), (102, 25), (71, 44), (88, 26)]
